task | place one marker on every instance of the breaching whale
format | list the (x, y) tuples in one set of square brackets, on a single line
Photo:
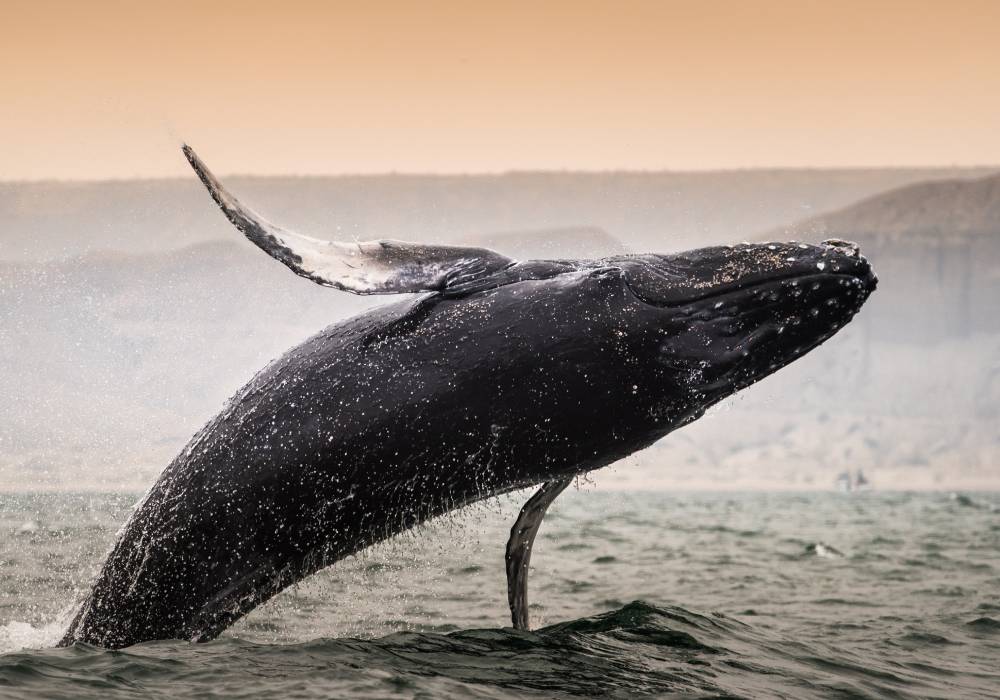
[(501, 375)]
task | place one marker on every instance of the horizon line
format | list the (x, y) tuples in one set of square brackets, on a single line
[(503, 173)]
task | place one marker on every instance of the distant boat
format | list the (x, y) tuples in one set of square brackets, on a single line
[(844, 482), (859, 483)]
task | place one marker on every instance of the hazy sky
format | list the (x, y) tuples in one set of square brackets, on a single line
[(107, 89)]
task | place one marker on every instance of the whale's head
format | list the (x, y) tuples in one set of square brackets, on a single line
[(731, 315)]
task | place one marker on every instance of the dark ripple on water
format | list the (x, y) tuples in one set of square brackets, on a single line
[(810, 596), (637, 649)]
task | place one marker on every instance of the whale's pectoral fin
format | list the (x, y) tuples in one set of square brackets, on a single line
[(522, 537), (369, 267)]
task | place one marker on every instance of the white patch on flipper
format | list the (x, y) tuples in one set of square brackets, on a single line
[(371, 267)]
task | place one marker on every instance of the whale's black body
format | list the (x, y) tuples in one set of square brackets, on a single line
[(529, 373)]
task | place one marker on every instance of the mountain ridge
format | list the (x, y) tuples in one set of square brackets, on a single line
[(930, 208)]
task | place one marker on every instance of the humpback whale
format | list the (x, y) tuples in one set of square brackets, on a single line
[(499, 375)]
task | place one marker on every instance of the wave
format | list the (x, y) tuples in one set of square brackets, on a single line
[(638, 649)]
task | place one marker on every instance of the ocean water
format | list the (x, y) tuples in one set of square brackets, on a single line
[(823, 595)]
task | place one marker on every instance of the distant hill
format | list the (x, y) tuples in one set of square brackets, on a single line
[(940, 209)]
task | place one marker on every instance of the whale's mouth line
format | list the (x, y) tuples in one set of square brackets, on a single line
[(800, 278), (865, 282)]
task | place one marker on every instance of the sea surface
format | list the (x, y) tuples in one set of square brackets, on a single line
[(819, 595)]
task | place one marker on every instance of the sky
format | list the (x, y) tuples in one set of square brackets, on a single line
[(103, 89)]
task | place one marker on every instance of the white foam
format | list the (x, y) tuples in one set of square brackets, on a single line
[(17, 635), (28, 527)]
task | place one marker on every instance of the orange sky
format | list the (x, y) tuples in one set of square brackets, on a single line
[(103, 89)]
